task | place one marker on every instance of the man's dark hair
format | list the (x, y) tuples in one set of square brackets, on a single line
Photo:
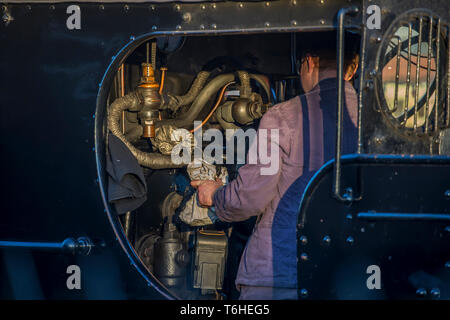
[(323, 45)]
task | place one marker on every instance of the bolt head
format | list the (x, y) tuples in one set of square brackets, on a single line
[(350, 240), (435, 293), (304, 257), (303, 293), (326, 240), (421, 292), (303, 240)]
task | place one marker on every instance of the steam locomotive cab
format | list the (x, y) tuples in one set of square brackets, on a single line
[(136, 90)]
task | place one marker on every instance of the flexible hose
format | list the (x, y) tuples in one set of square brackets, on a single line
[(178, 101), (149, 160), (244, 79), (219, 100), (187, 119)]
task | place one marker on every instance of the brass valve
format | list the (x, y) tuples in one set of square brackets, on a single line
[(151, 100), (148, 77)]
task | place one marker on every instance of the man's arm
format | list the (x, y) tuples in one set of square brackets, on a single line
[(255, 187)]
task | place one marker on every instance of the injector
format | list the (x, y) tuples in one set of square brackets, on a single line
[(151, 100)]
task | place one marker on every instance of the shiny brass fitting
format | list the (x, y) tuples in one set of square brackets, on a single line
[(148, 77)]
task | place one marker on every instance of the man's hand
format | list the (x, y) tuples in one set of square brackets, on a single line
[(206, 189)]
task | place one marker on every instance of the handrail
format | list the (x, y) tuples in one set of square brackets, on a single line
[(82, 246), (340, 96)]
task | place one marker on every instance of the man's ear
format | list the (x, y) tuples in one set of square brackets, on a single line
[(351, 70), (313, 62)]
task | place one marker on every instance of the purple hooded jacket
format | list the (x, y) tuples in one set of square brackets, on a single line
[(307, 126)]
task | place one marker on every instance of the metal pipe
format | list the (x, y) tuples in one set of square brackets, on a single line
[(187, 119), (427, 107), (391, 216), (397, 74), (150, 160), (448, 77), (360, 94), (340, 99), (419, 54), (436, 100), (82, 246), (178, 101), (408, 75)]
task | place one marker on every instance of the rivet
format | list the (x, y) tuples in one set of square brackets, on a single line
[(52, 7), (267, 4), (322, 1), (177, 7), (447, 194), (326, 240), (369, 84), (447, 229), (447, 265), (350, 240), (267, 24), (303, 293), (293, 22), (178, 27), (152, 7), (126, 7), (435, 292), (154, 28), (29, 7), (303, 240), (375, 39), (203, 7), (101, 7), (363, 230), (214, 26), (322, 21), (132, 38), (214, 6), (4, 8), (294, 2), (202, 27), (187, 17), (304, 257), (421, 292), (241, 5), (349, 216)]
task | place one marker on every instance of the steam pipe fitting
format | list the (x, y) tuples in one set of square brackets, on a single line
[(260, 79), (187, 119), (244, 79), (175, 102), (132, 101)]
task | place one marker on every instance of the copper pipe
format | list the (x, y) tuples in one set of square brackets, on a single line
[(219, 100), (163, 76)]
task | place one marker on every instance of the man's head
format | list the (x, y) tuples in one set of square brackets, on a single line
[(318, 53)]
